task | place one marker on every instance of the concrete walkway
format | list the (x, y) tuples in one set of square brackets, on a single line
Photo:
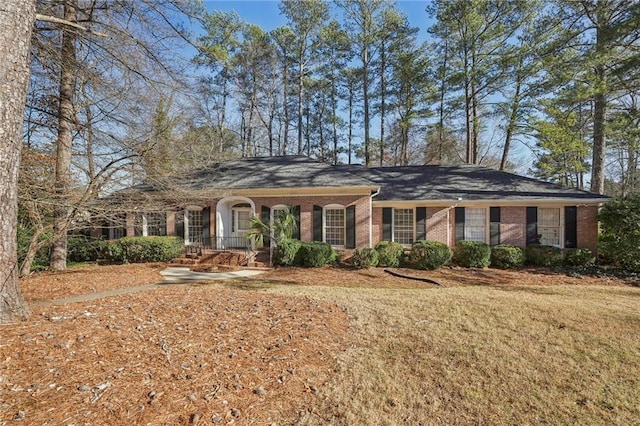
[(184, 275), (172, 276)]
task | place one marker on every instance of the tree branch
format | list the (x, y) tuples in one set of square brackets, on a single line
[(53, 19)]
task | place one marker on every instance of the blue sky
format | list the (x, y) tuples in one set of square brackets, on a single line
[(266, 14)]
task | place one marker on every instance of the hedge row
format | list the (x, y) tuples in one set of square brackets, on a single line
[(290, 252), (469, 254), (142, 249)]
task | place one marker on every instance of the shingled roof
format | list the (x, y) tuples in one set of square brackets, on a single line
[(466, 182), (401, 183), (272, 172)]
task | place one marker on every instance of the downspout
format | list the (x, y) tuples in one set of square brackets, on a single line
[(371, 215), (449, 224)]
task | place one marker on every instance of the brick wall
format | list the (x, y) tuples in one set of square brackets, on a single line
[(306, 204), (376, 226), (513, 226), (440, 224), (588, 227)]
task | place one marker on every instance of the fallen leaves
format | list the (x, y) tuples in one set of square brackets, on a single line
[(175, 355)]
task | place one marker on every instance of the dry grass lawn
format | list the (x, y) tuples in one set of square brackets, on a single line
[(486, 348)]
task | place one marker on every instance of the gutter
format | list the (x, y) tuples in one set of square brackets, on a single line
[(373, 194)]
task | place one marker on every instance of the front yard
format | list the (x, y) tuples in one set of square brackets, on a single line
[(327, 346)]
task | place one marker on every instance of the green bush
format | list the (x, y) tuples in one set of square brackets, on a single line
[(83, 249), (315, 254), (541, 255), (429, 254), (579, 257), (472, 254), (620, 237), (364, 258), (389, 253), (507, 257), (143, 249), (286, 252)]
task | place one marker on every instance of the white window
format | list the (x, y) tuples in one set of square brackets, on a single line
[(193, 226), (475, 224), (334, 226), (403, 226), (155, 223), (117, 227), (549, 226)]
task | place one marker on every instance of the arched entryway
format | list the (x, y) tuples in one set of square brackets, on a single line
[(233, 221)]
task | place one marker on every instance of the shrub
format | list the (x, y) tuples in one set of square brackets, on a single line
[(507, 257), (143, 249), (364, 258), (82, 249), (579, 257), (540, 255), (429, 254), (389, 253), (315, 254), (472, 254), (620, 238), (286, 252)]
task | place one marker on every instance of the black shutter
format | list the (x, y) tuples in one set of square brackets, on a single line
[(296, 213), (571, 227), (351, 227), (421, 223), (532, 226), (105, 230), (206, 225), (387, 217), (265, 217), (317, 223), (460, 223), (180, 224), (494, 225)]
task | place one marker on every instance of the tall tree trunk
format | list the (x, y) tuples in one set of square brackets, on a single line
[(300, 94), (600, 104), (334, 118), (443, 89), (223, 116), (285, 106), (599, 143), (58, 259), (513, 117), (350, 142), (467, 109), (365, 94), (17, 18), (382, 101)]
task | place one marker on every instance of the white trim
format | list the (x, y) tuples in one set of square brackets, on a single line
[(223, 213), (145, 229), (492, 203), (487, 223), (306, 191), (561, 224), (393, 224), (344, 223)]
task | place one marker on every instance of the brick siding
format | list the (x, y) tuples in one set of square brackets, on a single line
[(513, 226), (588, 227)]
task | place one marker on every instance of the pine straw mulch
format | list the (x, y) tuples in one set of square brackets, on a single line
[(185, 354), (190, 354)]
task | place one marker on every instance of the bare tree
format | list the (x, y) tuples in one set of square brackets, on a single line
[(17, 17)]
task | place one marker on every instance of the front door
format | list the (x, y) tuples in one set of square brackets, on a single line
[(241, 223)]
